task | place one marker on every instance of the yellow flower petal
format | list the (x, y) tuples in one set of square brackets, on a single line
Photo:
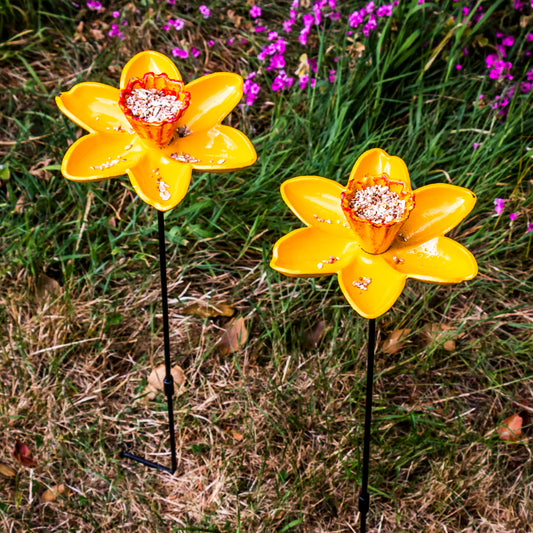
[(375, 162), (311, 252), (439, 208), (439, 260), (377, 284), (148, 61), (159, 181), (316, 201), (94, 107), (212, 99), (98, 156), (218, 149)]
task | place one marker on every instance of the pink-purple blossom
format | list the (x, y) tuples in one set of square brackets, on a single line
[(94, 5), (115, 32), (180, 52), (255, 12), (499, 205), (205, 11), (282, 81)]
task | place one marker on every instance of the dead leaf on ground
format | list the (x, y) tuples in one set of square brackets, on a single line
[(439, 333), (208, 309), (235, 434), (51, 494), (156, 381), (46, 286), (395, 341), (7, 471), (511, 428), (234, 338), (21, 453), (314, 336)]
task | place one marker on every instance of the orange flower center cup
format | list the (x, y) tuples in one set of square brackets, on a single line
[(160, 133), (376, 237)]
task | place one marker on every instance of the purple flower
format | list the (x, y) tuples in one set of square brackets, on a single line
[(178, 52), (513, 216), (282, 81), (332, 75), (384, 11), (458, 67), (94, 6), (355, 19), (210, 42), (529, 37), (303, 80), (529, 227), (476, 145), (115, 32), (255, 12), (308, 21), (499, 205), (195, 52), (250, 89), (508, 40), (178, 24), (276, 62), (287, 25), (116, 14), (205, 11)]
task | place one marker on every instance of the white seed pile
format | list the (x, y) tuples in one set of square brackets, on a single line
[(377, 204), (152, 105)]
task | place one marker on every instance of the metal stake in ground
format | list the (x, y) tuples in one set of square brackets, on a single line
[(364, 497), (168, 382)]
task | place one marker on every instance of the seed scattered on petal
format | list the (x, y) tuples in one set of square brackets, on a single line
[(362, 283), (163, 190), (183, 157)]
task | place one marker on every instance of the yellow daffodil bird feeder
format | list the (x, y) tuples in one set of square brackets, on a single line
[(375, 233), (156, 129)]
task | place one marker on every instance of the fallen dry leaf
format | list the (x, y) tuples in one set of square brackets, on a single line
[(21, 453), (439, 333), (395, 341), (156, 380), (51, 494), (511, 428), (6, 470), (313, 336), (234, 338), (235, 434), (208, 309), (46, 286)]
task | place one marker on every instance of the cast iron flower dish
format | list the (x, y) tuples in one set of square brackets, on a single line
[(373, 259), (155, 128)]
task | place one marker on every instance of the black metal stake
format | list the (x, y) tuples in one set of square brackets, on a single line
[(168, 382), (364, 497)]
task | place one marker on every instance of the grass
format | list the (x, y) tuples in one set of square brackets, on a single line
[(269, 437)]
